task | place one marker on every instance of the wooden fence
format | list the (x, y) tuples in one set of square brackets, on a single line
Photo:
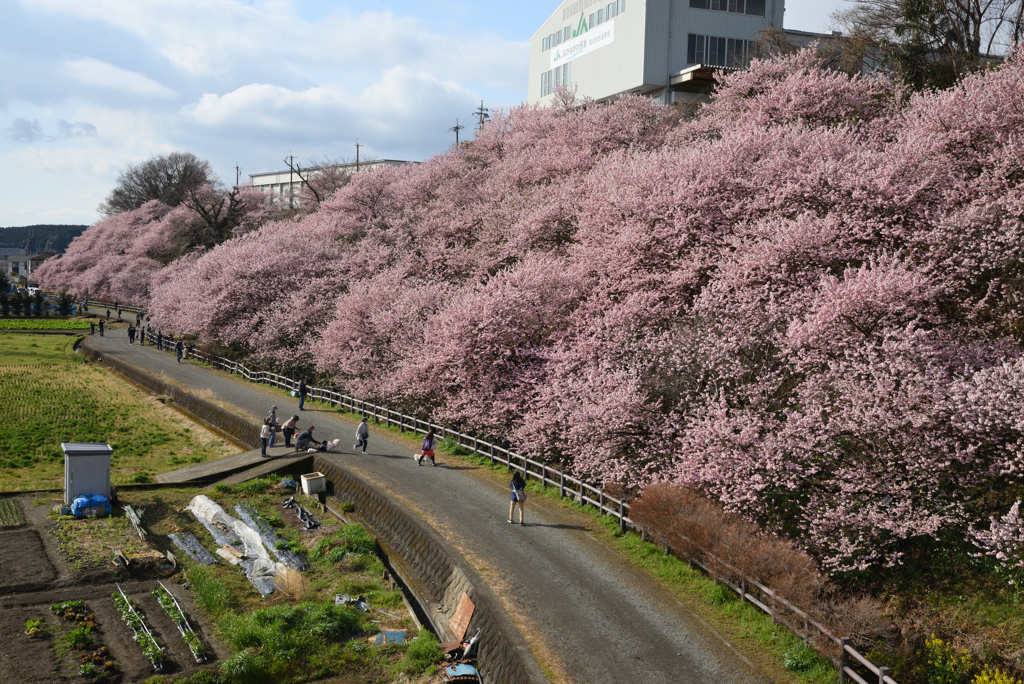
[(766, 599)]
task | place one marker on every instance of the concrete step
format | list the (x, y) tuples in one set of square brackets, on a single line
[(222, 467), (293, 464)]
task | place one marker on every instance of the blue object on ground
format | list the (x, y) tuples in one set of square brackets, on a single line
[(89, 501), (465, 672), (389, 638)]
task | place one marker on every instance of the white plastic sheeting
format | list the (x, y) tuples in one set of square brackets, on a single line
[(228, 531)]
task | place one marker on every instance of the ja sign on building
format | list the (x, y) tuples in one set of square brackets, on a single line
[(606, 49)]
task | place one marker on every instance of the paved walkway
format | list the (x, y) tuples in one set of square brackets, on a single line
[(589, 616)]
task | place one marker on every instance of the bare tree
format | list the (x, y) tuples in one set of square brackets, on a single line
[(930, 43), (321, 179), (169, 178)]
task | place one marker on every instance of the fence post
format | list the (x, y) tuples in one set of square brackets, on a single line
[(601, 499), (561, 484), (883, 672), (474, 445), (622, 517), (492, 454), (843, 658)]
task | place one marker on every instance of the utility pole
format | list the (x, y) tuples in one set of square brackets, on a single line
[(357, 154), (238, 174), (457, 128), (483, 115), (291, 170)]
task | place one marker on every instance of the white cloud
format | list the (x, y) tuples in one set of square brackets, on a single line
[(388, 106), (104, 75)]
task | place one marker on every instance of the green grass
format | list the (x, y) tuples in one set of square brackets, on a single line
[(305, 637), (42, 324), (18, 349), (55, 400)]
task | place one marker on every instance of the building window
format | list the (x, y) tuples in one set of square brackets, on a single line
[(752, 7), (553, 78), (715, 51)]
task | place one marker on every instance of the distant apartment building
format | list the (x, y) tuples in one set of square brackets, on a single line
[(665, 49), (288, 183)]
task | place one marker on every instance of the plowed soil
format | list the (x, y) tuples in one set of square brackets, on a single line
[(33, 577)]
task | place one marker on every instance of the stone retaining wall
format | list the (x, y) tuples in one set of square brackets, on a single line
[(438, 575), (240, 429)]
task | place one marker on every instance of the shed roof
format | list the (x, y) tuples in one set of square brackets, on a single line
[(86, 449)]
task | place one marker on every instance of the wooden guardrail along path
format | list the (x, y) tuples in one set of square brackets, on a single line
[(766, 599)]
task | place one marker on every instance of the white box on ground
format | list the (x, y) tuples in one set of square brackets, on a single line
[(314, 483)]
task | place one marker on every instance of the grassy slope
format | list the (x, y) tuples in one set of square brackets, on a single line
[(48, 396)]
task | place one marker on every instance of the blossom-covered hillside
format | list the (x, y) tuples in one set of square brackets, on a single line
[(807, 300)]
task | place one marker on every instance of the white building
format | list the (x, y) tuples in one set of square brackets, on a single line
[(659, 48), (288, 182)]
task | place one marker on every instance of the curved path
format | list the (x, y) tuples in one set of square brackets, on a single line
[(589, 616)]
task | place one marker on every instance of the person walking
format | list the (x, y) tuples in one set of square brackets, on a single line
[(288, 430), (101, 327), (303, 389), (305, 439), (159, 341), (108, 314), (131, 334), (272, 417), (363, 435), (179, 349), (428, 446), (265, 432), (142, 337), (92, 328), (118, 315), (518, 487)]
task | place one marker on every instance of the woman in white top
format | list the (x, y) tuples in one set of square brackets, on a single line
[(265, 433)]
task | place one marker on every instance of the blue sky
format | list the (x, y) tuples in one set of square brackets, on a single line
[(88, 86)]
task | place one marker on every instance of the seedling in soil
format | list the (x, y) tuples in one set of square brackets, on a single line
[(177, 614), (36, 628), (133, 618)]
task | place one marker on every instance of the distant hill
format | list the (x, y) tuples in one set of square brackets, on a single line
[(38, 238)]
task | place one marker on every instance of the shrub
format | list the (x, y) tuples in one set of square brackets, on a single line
[(994, 676), (257, 486), (452, 446), (697, 527), (423, 653), (142, 478), (800, 658), (271, 642), (944, 664)]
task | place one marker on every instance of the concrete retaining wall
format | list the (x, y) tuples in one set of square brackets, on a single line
[(241, 430), (438, 574)]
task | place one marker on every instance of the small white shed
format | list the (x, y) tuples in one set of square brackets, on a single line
[(86, 469)]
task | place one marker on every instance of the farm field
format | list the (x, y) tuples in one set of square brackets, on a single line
[(49, 396), (296, 637), (42, 324)]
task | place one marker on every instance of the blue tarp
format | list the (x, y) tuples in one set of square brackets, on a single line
[(461, 672), (89, 501)]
